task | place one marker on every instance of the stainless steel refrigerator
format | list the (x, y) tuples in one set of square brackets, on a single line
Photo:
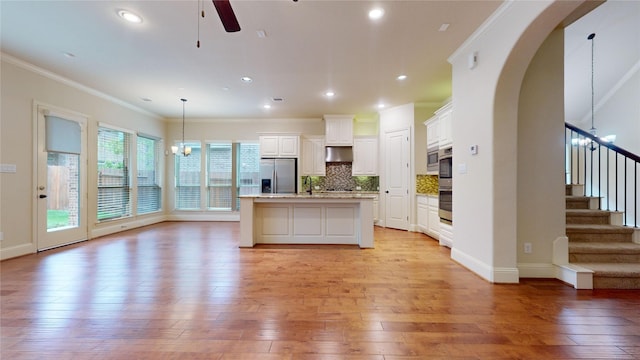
[(278, 176)]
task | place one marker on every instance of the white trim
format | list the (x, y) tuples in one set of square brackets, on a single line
[(55, 77), (226, 216), (483, 270), (128, 225), (488, 23), (577, 276), (149, 136), (19, 250), (117, 128), (537, 270), (503, 275)]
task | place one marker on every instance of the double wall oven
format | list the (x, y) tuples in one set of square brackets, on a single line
[(445, 172)]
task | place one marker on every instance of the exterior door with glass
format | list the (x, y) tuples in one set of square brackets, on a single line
[(60, 196)]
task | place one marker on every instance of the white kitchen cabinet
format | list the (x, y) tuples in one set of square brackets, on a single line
[(313, 156), (338, 130), (365, 156), (445, 119), (422, 213), (433, 132), (279, 146), (433, 218)]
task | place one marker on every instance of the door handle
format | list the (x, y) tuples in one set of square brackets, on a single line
[(42, 196), (386, 191)]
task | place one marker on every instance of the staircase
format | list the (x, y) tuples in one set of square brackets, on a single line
[(598, 242)]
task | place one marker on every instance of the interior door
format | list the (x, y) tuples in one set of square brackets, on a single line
[(397, 179), (61, 192)]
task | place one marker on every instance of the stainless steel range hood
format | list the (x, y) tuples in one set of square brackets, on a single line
[(339, 154)]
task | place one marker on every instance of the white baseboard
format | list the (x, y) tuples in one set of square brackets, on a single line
[(108, 229), (537, 270), (577, 276), (493, 274), (226, 216), (19, 250)]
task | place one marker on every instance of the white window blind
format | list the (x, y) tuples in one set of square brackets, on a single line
[(114, 195), (62, 135), (187, 178), (219, 176), (248, 179), (149, 190)]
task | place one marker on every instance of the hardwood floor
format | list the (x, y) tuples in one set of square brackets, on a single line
[(186, 291)]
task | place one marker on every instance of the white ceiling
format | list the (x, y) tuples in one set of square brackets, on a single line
[(311, 46), (616, 52)]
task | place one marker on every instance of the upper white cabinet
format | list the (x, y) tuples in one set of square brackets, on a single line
[(433, 132), (445, 118), (313, 155), (338, 130), (279, 145), (365, 156)]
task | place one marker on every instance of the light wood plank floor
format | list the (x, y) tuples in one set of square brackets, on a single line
[(186, 291)]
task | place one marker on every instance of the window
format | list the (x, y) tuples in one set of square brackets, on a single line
[(187, 178), (232, 169), (248, 170), (114, 195), (149, 190), (219, 176)]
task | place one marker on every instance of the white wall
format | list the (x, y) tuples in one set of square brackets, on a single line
[(22, 84), (485, 102), (540, 185)]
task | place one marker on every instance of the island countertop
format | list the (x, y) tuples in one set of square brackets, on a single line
[(318, 195)]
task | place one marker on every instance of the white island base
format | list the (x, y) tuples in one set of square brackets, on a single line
[(306, 219)]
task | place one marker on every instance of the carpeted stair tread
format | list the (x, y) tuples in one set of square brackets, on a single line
[(598, 228), (613, 269), (604, 247), (587, 212)]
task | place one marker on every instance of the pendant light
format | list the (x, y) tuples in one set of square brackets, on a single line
[(592, 131), (184, 149)]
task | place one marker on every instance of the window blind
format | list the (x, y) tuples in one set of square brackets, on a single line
[(187, 179), (248, 168), (219, 176), (114, 194), (149, 190), (62, 135)]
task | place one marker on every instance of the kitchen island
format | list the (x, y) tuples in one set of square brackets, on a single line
[(323, 218)]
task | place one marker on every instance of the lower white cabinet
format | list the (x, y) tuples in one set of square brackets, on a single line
[(446, 235), (422, 213), (433, 223), (427, 215)]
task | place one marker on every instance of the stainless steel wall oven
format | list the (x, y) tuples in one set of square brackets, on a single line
[(445, 184), (432, 161)]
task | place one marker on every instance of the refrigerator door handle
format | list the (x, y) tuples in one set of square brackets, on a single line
[(274, 175)]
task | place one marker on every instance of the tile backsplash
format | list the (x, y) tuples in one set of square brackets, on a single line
[(338, 178), (427, 184)]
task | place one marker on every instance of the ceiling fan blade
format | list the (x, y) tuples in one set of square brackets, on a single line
[(227, 16)]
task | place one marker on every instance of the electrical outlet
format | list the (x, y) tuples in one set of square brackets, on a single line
[(528, 248)]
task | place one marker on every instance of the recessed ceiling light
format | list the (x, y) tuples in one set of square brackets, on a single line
[(246, 79), (401, 77), (261, 34), (329, 94), (146, 99), (444, 27), (129, 16), (266, 106), (381, 106), (376, 13), (277, 99)]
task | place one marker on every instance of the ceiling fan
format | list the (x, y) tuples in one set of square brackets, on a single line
[(227, 16)]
